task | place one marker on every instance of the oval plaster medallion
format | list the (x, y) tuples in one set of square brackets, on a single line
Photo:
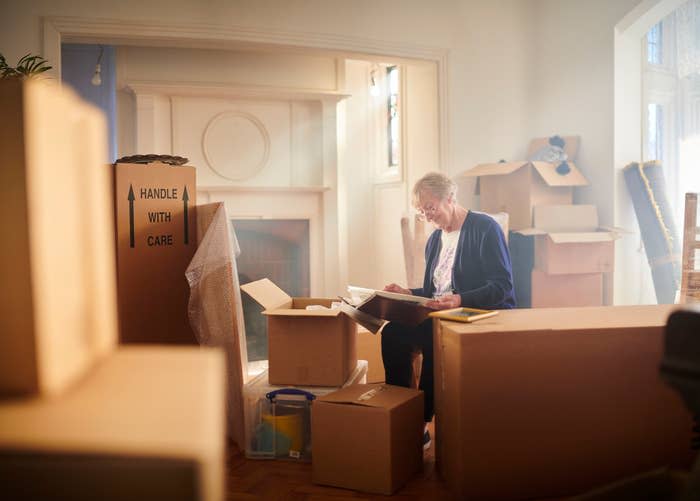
[(236, 145)]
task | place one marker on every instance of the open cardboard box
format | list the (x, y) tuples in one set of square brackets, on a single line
[(305, 347), (518, 187), (568, 240)]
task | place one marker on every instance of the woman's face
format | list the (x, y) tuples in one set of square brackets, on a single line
[(436, 210)]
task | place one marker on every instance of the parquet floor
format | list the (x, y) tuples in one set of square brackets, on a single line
[(286, 480)]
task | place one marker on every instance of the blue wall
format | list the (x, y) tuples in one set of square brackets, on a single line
[(77, 68)]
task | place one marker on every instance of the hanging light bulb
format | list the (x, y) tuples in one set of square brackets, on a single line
[(373, 85), (97, 76)]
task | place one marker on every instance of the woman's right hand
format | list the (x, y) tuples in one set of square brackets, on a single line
[(392, 287)]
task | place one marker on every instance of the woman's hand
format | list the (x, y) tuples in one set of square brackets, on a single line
[(392, 287), (446, 302)]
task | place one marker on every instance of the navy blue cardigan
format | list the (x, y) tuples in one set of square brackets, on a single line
[(482, 274)]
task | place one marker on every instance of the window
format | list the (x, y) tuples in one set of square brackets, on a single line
[(393, 119), (655, 131), (671, 101), (654, 44), (386, 101)]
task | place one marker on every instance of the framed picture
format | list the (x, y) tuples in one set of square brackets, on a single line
[(463, 314)]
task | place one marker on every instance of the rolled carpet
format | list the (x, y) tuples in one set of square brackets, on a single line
[(647, 188)]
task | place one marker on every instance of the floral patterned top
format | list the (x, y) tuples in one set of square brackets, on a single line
[(442, 277)]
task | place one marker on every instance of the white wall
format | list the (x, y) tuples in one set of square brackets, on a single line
[(490, 70), (487, 100), (572, 88), (517, 69)]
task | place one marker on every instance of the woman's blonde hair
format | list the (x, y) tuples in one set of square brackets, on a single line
[(437, 185)]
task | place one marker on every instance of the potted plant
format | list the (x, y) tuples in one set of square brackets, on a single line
[(28, 66)]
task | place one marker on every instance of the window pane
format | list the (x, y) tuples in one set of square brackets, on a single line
[(654, 47), (393, 129), (655, 126)]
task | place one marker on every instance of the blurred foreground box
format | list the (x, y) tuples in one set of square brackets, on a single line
[(147, 423), (57, 269), (555, 400)]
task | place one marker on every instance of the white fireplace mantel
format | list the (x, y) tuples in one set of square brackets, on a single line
[(300, 179), (233, 91)]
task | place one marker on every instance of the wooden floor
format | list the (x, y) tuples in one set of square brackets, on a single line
[(266, 479)]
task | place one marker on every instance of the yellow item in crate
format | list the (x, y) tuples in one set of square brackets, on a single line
[(289, 431)]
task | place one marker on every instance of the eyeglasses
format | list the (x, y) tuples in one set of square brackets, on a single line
[(427, 211)]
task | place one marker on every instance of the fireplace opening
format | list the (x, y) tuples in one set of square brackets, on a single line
[(277, 249)]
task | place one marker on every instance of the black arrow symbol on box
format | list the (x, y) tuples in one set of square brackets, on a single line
[(185, 200), (131, 216)]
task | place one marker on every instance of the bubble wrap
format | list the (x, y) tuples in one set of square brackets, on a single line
[(215, 309)]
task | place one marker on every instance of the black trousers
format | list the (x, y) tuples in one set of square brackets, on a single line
[(399, 342)]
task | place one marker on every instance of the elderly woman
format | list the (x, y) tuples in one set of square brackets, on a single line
[(467, 264)]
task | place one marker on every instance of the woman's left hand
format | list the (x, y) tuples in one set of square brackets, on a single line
[(445, 302)]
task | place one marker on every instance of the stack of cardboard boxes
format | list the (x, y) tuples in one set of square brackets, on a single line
[(312, 353), (78, 417), (572, 255), (559, 254)]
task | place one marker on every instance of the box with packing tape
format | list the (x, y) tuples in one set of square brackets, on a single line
[(278, 418), (306, 347), (368, 437)]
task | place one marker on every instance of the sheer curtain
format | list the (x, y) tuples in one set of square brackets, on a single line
[(671, 84), (687, 18), (687, 23)]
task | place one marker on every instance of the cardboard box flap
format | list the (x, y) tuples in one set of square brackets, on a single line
[(565, 218), (528, 232), (552, 177), (582, 237), (297, 312), (383, 396), (570, 145), (267, 294), (616, 230), (494, 169)]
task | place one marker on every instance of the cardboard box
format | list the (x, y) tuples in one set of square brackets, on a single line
[(540, 403), (518, 187), (278, 418), (569, 240), (305, 347), (147, 423), (369, 347), (156, 239), (579, 289), (368, 437), (57, 275)]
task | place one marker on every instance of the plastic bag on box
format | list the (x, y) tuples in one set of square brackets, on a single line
[(215, 309)]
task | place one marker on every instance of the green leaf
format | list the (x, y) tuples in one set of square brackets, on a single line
[(27, 66)]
